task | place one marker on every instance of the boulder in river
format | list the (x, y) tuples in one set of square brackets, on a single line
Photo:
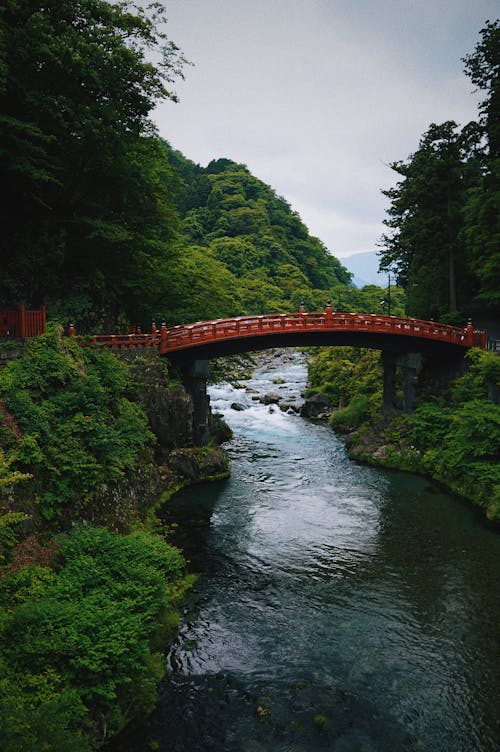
[(318, 407), (238, 406), (271, 398), (289, 407)]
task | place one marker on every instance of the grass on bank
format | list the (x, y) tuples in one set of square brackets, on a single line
[(453, 436)]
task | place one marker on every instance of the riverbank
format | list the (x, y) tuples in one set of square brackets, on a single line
[(453, 436), (91, 445)]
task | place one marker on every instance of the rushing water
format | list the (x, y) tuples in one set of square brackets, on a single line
[(339, 607)]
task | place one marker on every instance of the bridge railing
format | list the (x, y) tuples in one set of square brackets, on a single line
[(189, 335), (171, 339), (124, 341)]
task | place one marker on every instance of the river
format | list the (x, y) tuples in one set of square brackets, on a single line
[(338, 607)]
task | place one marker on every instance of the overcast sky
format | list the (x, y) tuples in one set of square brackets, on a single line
[(317, 97)]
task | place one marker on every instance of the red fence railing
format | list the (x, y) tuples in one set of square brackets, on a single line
[(171, 339), (22, 323), (202, 332)]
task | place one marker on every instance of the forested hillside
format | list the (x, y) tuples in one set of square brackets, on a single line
[(233, 222), (105, 223)]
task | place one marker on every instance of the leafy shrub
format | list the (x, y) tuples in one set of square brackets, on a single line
[(9, 523), (78, 428), (483, 369), (461, 447), (430, 425), (351, 417), (78, 644), (343, 372)]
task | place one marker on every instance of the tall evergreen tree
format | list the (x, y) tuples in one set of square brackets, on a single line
[(425, 246), (482, 211), (87, 207)]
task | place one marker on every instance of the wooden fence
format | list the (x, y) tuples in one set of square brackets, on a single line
[(21, 323)]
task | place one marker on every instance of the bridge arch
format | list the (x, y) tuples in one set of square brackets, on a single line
[(402, 342), (210, 339)]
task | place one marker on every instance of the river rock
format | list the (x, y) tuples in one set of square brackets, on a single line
[(289, 407), (271, 398), (380, 453), (318, 407), (238, 406)]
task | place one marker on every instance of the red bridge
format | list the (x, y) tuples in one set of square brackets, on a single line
[(208, 339), (401, 340)]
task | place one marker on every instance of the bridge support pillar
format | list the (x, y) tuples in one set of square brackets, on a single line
[(389, 362), (195, 377), (437, 374), (410, 363)]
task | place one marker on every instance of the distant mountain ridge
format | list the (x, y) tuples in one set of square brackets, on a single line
[(364, 267)]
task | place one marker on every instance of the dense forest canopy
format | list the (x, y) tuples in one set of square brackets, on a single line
[(88, 211), (105, 222), (443, 241)]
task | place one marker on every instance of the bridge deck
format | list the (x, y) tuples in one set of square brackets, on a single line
[(311, 328)]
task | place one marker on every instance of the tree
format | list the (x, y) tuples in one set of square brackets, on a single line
[(425, 247), (88, 199), (482, 211)]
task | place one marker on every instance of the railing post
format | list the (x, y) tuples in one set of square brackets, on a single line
[(71, 331), (43, 312), (328, 313), (22, 321), (302, 314), (469, 333), (163, 338)]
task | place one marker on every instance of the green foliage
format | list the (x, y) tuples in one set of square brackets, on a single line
[(88, 210), (200, 287), (352, 378), (482, 210), (444, 215), (343, 372), (354, 415), (78, 430), (9, 477), (425, 244), (242, 223), (8, 533), (461, 447), (483, 370), (77, 645)]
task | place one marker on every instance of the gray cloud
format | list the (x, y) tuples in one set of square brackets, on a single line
[(318, 96)]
